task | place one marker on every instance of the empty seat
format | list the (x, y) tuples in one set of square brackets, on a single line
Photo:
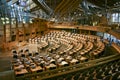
[(15, 56), (36, 53), (90, 72), (99, 75), (116, 76), (29, 54), (21, 51), (84, 73), (107, 77), (113, 71), (69, 77), (118, 68), (91, 77), (27, 50), (14, 51), (107, 72), (76, 76), (22, 55), (60, 78), (81, 78)]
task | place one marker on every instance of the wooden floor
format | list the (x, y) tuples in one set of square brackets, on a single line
[(5, 61)]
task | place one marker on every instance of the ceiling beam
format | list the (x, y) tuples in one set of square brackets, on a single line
[(41, 6)]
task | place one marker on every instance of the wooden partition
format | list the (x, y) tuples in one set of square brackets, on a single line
[(21, 32), (104, 29)]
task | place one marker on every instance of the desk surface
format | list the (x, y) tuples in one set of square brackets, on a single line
[(18, 67), (22, 71), (50, 66), (36, 69)]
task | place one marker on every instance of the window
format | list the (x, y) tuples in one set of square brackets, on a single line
[(116, 17)]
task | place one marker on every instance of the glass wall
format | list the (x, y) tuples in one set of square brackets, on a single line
[(111, 38), (116, 17)]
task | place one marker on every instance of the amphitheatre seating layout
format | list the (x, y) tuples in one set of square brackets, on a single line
[(55, 50)]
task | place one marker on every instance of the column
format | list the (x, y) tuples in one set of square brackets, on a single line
[(24, 32), (17, 31)]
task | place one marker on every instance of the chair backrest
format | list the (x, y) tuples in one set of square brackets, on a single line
[(15, 56), (22, 55)]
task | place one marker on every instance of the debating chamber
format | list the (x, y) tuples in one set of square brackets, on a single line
[(59, 39)]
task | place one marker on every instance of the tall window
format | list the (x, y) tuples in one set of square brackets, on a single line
[(116, 17)]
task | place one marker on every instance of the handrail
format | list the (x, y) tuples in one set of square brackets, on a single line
[(68, 69)]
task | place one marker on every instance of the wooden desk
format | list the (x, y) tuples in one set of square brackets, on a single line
[(74, 61), (37, 68), (82, 53), (95, 53), (18, 67), (68, 58), (63, 63), (52, 60), (60, 59), (57, 56), (21, 72), (50, 66), (83, 58)]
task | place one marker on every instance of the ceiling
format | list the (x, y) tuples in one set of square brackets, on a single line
[(63, 7), (104, 3), (66, 8)]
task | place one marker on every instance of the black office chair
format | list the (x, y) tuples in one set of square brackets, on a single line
[(22, 55), (29, 54), (21, 51), (27, 50), (14, 51), (36, 53), (15, 56)]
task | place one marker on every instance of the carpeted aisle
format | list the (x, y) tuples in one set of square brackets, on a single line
[(5, 63)]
